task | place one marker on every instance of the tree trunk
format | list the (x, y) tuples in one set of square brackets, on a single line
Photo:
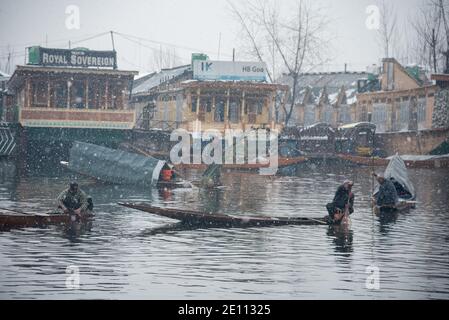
[(288, 114), (434, 51)]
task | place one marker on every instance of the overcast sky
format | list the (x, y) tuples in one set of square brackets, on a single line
[(187, 25)]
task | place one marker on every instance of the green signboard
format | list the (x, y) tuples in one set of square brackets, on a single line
[(33, 55), (199, 56), (79, 57)]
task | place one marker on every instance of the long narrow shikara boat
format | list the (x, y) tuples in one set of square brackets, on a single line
[(282, 162), (25, 220), (203, 219), (410, 161)]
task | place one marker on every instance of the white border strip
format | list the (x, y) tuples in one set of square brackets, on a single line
[(157, 170)]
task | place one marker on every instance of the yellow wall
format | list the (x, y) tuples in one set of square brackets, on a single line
[(402, 80), (189, 118)]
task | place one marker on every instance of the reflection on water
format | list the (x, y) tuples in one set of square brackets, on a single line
[(125, 253), (342, 237)]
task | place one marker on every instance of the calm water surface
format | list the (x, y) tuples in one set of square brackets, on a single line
[(125, 254)]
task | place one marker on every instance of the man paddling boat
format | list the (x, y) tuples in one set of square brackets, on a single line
[(343, 203), (73, 200), (387, 195)]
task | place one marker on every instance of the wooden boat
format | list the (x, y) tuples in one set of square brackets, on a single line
[(364, 161), (399, 207), (282, 162), (396, 172), (24, 220), (429, 162), (203, 219)]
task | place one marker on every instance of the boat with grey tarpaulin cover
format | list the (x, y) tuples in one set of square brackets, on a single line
[(397, 173)]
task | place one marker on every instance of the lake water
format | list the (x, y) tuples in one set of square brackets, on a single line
[(124, 255)]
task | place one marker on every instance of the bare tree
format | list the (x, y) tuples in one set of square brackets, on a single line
[(287, 42), (432, 35), (444, 11), (428, 29), (388, 26), (164, 58)]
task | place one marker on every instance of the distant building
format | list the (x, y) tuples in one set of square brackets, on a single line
[(208, 95), (146, 93), (405, 101), (324, 97), (393, 97), (4, 78), (75, 88)]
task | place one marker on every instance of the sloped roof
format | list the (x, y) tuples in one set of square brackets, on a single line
[(412, 73), (4, 76), (153, 80), (331, 81)]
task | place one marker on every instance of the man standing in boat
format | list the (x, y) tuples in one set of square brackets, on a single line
[(387, 196), (73, 200), (343, 202)]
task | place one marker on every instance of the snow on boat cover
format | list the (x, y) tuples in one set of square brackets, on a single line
[(397, 172), (115, 166)]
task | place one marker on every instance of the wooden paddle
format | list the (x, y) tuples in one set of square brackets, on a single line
[(319, 221)]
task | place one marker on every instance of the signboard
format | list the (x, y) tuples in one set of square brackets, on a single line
[(229, 70), (72, 58), (199, 56)]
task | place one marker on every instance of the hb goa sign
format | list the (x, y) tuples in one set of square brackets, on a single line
[(229, 70), (71, 58)]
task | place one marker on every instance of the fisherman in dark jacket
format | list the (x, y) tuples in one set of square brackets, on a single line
[(73, 200), (387, 195), (343, 202)]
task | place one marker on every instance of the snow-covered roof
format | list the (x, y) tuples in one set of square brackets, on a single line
[(4, 76), (152, 80), (318, 125), (358, 124), (333, 97), (331, 81), (351, 95)]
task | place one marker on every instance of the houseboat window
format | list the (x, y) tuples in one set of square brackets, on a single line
[(101, 95), (252, 111), (60, 92), (94, 94), (364, 113), (404, 116), (259, 107), (380, 116), (194, 103), (422, 110), (362, 139), (116, 97), (206, 103), (40, 94), (234, 107), (78, 95), (219, 110)]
